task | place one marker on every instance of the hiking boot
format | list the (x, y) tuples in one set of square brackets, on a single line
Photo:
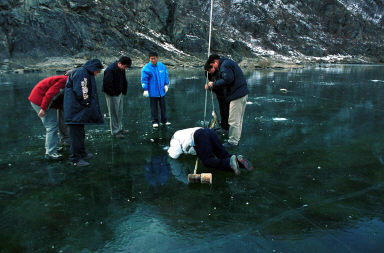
[(244, 163), (155, 125), (234, 165), (53, 157), (80, 163)]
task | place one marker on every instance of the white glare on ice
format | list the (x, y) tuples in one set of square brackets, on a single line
[(279, 119)]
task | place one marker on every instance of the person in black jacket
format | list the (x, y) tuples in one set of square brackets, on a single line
[(231, 76), (115, 86), (81, 107)]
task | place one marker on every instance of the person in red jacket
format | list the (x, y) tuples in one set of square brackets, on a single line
[(46, 98)]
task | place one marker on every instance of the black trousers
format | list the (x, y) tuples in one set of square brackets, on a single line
[(224, 112), (154, 102), (77, 137), (210, 150)]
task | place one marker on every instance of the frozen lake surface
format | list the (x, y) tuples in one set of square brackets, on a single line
[(315, 136)]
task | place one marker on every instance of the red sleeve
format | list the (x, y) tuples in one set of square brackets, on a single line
[(56, 83)]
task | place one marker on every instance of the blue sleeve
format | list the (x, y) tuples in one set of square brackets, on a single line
[(166, 76), (227, 75), (145, 78)]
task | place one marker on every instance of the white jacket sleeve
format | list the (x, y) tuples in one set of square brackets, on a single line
[(182, 142), (174, 149)]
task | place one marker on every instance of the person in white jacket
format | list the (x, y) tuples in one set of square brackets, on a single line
[(206, 145)]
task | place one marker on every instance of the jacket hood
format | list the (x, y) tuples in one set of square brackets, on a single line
[(93, 65)]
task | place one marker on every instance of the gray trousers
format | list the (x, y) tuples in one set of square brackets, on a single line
[(115, 110), (50, 123), (235, 120)]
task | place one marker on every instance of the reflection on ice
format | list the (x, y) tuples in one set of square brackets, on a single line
[(279, 119), (326, 83)]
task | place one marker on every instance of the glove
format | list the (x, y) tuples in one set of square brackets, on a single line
[(166, 88), (145, 93)]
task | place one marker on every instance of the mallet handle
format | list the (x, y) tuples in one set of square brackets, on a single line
[(197, 161)]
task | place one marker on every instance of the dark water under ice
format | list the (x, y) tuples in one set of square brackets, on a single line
[(318, 149)]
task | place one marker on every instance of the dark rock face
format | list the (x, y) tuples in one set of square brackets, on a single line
[(35, 29)]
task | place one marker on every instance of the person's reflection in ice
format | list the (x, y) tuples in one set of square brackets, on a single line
[(157, 171), (178, 171)]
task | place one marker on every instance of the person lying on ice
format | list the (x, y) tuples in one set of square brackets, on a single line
[(206, 145)]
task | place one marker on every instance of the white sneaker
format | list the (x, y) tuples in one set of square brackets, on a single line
[(167, 123), (54, 156), (155, 125)]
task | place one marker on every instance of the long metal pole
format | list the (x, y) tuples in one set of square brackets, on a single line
[(209, 52)]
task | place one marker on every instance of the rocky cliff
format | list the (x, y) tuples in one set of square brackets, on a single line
[(67, 31)]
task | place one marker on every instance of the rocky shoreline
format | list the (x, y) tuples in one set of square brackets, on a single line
[(62, 64)]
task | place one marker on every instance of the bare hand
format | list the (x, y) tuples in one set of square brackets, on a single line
[(210, 84), (206, 86), (41, 113)]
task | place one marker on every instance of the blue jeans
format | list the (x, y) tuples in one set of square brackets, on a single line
[(51, 128)]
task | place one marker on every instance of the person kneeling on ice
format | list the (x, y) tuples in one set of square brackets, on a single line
[(206, 145)]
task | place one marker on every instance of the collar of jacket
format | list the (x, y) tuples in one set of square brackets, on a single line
[(221, 60)]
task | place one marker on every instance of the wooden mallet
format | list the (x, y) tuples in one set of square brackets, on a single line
[(204, 178)]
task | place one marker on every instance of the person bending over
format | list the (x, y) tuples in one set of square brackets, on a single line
[(206, 145)]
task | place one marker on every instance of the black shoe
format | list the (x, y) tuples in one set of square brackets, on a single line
[(123, 131), (88, 156), (65, 144), (119, 136), (80, 163), (221, 131), (228, 145)]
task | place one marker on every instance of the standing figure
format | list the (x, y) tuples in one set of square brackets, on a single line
[(46, 100), (206, 145), (231, 76), (115, 86), (154, 81), (81, 107)]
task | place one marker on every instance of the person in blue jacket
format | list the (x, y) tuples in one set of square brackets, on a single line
[(230, 76), (81, 107), (154, 81)]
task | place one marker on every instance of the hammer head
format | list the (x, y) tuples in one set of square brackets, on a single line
[(206, 178), (194, 178)]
